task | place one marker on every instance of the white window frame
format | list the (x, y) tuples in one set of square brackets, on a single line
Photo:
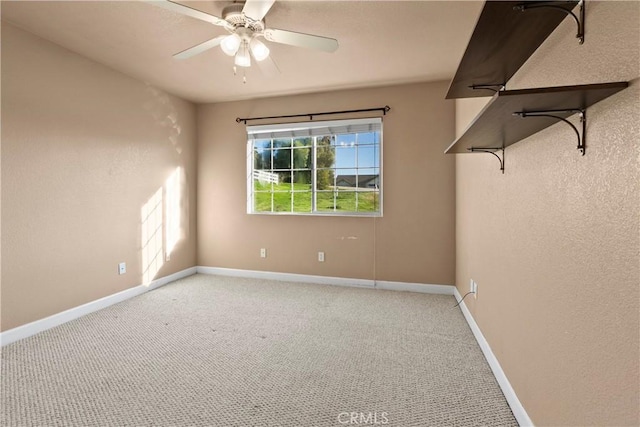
[(313, 130)]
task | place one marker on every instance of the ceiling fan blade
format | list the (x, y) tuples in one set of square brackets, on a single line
[(257, 9), (188, 11), (199, 48), (268, 67), (301, 40)]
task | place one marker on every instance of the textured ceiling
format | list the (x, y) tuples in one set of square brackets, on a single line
[(381, 42)]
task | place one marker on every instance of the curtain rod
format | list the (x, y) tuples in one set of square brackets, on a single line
[(384, 110)]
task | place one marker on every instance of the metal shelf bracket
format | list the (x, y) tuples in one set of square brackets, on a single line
[(491, 151), (549, 113), (491, 87), (554, 5)]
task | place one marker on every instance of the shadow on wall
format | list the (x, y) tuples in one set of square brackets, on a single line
[(161, 230)]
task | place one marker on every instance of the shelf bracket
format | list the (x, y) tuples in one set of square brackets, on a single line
[(500, 86), (554, 5), (491, 151), (549, 113)]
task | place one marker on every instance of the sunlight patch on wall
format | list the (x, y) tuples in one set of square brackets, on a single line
[(173, 209), (162, 224), (152, 248)]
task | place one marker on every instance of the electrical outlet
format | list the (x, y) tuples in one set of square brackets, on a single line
[(321, 256), (122, 268), (263, 252), (473, 288)]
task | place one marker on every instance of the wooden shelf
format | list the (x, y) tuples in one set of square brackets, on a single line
[(503, 39), (497, 126)]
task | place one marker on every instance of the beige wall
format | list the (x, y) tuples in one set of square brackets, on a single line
[(83, 150), (554, 242), (413, 242)]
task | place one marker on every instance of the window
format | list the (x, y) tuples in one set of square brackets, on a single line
[(319, 168)]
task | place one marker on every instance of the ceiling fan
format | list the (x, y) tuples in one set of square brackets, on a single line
[(245, 24)]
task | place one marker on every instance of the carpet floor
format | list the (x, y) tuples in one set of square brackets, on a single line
[(220, 351)]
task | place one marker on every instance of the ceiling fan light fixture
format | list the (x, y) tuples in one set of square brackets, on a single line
[(259, 50), (244, 20), (243, 59), (230, 44)]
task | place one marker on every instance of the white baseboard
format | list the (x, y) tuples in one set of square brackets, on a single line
[(415, 287), (24, 331), (516, 407), (286, 277), (328, 280)]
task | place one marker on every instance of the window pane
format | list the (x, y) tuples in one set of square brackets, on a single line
[(345, 180), (325, 200), (325, 179), (368, 157), (261, 185), (282, 158), (282, 201), (325, 153), (346, 201), (368, 200), (346, 140), (303, 142), (302, 201), (265, 178), (262, 202), (302, 158), (284, 180), (261, 159), (369, 178), (279, 143), (302, 180), (346, 157), (326, 140), (369, 138), (338, 201), (262, 144)]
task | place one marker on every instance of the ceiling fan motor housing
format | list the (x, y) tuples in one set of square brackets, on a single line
[(233, 15)]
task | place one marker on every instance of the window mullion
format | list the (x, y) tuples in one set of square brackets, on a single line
[(357, 175), (314, 202), (271, 169), (335, 174), (291, 177)]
